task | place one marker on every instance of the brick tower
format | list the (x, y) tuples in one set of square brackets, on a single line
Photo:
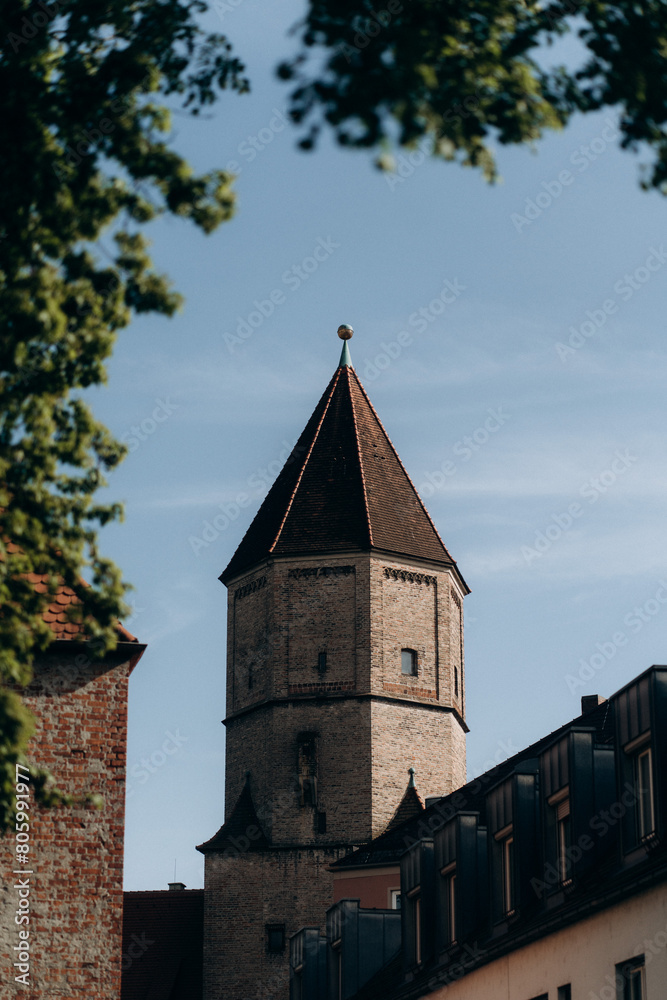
[(344, 669)]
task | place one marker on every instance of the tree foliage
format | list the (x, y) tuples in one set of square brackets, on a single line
[(455, 74), (85, 158), (87, 163)]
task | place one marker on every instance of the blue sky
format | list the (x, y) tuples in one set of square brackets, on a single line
[(541, 465)]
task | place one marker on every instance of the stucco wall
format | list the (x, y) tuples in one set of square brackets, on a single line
[(584, 955)]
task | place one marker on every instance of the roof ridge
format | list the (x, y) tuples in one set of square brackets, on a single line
[(402, 467), (333, 384), (349, 368)]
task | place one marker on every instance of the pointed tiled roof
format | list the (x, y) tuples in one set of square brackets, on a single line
[(410, 806), (243, 826), (342, 488)]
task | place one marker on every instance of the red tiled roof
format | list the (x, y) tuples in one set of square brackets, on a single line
[(57, 616), (343, 487)]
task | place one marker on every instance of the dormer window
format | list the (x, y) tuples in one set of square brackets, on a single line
[(448, 875), (505, 839), (409, 662), (560, 803), (643, 766)]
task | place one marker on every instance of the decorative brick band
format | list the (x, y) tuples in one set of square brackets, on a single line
[(321, 571), (402, 689), (250, 588), (315, 688), (407, 577)]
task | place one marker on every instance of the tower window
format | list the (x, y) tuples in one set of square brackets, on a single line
[(322, 662), (409, 662), (275, 937), (456, 681), (307, 769)]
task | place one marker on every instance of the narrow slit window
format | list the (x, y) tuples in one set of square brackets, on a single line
[(322, 662), (307, 769), (409, 662)]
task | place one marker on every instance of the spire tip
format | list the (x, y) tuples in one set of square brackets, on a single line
[(345, 332)]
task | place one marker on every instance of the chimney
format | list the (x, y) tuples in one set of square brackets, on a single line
[(590, 701), (176, 886)]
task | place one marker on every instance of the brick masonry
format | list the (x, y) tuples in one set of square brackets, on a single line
[(76, 854), (289, 887), (356, 721)]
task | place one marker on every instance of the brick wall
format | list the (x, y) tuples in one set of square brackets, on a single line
[(361, 611), (76, 854), (242, 895), (407, 735)]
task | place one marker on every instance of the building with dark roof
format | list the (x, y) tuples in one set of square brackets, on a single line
[(344, 668), (543, 879), (163, 944)]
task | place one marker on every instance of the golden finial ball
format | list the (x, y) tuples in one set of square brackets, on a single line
[(345, 331)]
